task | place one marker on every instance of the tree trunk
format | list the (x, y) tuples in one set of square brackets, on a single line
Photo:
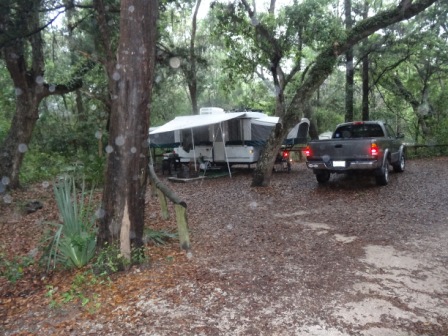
[(263, 171), (131, 80), (365, 75), (191, 73), (349, 69), (365, 88)]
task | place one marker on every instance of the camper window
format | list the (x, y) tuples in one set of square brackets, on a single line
[(200, 137), (234, 132)]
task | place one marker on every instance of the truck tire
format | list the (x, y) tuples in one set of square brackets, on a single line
[(382, 176), (322, 176), (399, 166)]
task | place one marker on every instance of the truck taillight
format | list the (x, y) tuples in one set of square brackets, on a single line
[(307, 151), (374, 150), (285, 154)]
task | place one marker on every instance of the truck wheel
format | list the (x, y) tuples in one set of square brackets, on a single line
[(322, 176), (399, 166), (382, 178)]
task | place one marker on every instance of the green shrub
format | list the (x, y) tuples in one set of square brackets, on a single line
[(13, 269), (73, 244), (110, 260), (158, 237), (38, 166)]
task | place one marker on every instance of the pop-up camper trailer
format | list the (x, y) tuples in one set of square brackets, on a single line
[(221, 137)]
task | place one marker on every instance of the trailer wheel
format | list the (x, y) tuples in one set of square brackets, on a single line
[(322, 176)]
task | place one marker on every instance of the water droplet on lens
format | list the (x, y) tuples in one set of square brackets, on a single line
[(131, 9), (23, 148), (119, 140), (116, 76), (100, 213), (174, 62), (109, 149), (45, 184), (7, 199), (5, 180)]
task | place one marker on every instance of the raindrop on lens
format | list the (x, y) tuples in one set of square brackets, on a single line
[(23, 148), (39, 80), (109, 149), (253, 205), (119, 140), (131, 9), (326, 158), (45, 184), (116, 76), (100, 213), (5, 180), (18, 91), (133, 150), (98, 134), (7, 199), (174, 62), (52, 88)]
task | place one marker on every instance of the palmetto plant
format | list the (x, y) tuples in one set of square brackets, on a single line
[(74, 242)]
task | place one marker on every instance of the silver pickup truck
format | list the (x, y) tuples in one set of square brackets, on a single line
[(369, 146)]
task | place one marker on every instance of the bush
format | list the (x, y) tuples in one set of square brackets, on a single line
[(73, 244), (110, 260), (38, 166), (14, 269)]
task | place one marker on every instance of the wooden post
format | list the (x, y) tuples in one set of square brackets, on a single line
[(182, 227), (163, 204), (180, 208)]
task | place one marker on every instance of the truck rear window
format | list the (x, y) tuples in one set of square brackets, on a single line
[(358, 131)]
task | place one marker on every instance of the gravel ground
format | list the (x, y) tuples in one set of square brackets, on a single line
[(297, 258)]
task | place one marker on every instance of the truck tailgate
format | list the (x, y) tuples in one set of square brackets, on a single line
[(339, 149)]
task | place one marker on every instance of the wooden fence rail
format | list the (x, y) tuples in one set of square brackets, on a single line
[(441, 149), (180, 207)]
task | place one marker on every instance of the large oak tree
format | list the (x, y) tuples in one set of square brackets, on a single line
[(271, 51)]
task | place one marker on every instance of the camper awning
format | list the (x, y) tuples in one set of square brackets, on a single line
[(192, 121)]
